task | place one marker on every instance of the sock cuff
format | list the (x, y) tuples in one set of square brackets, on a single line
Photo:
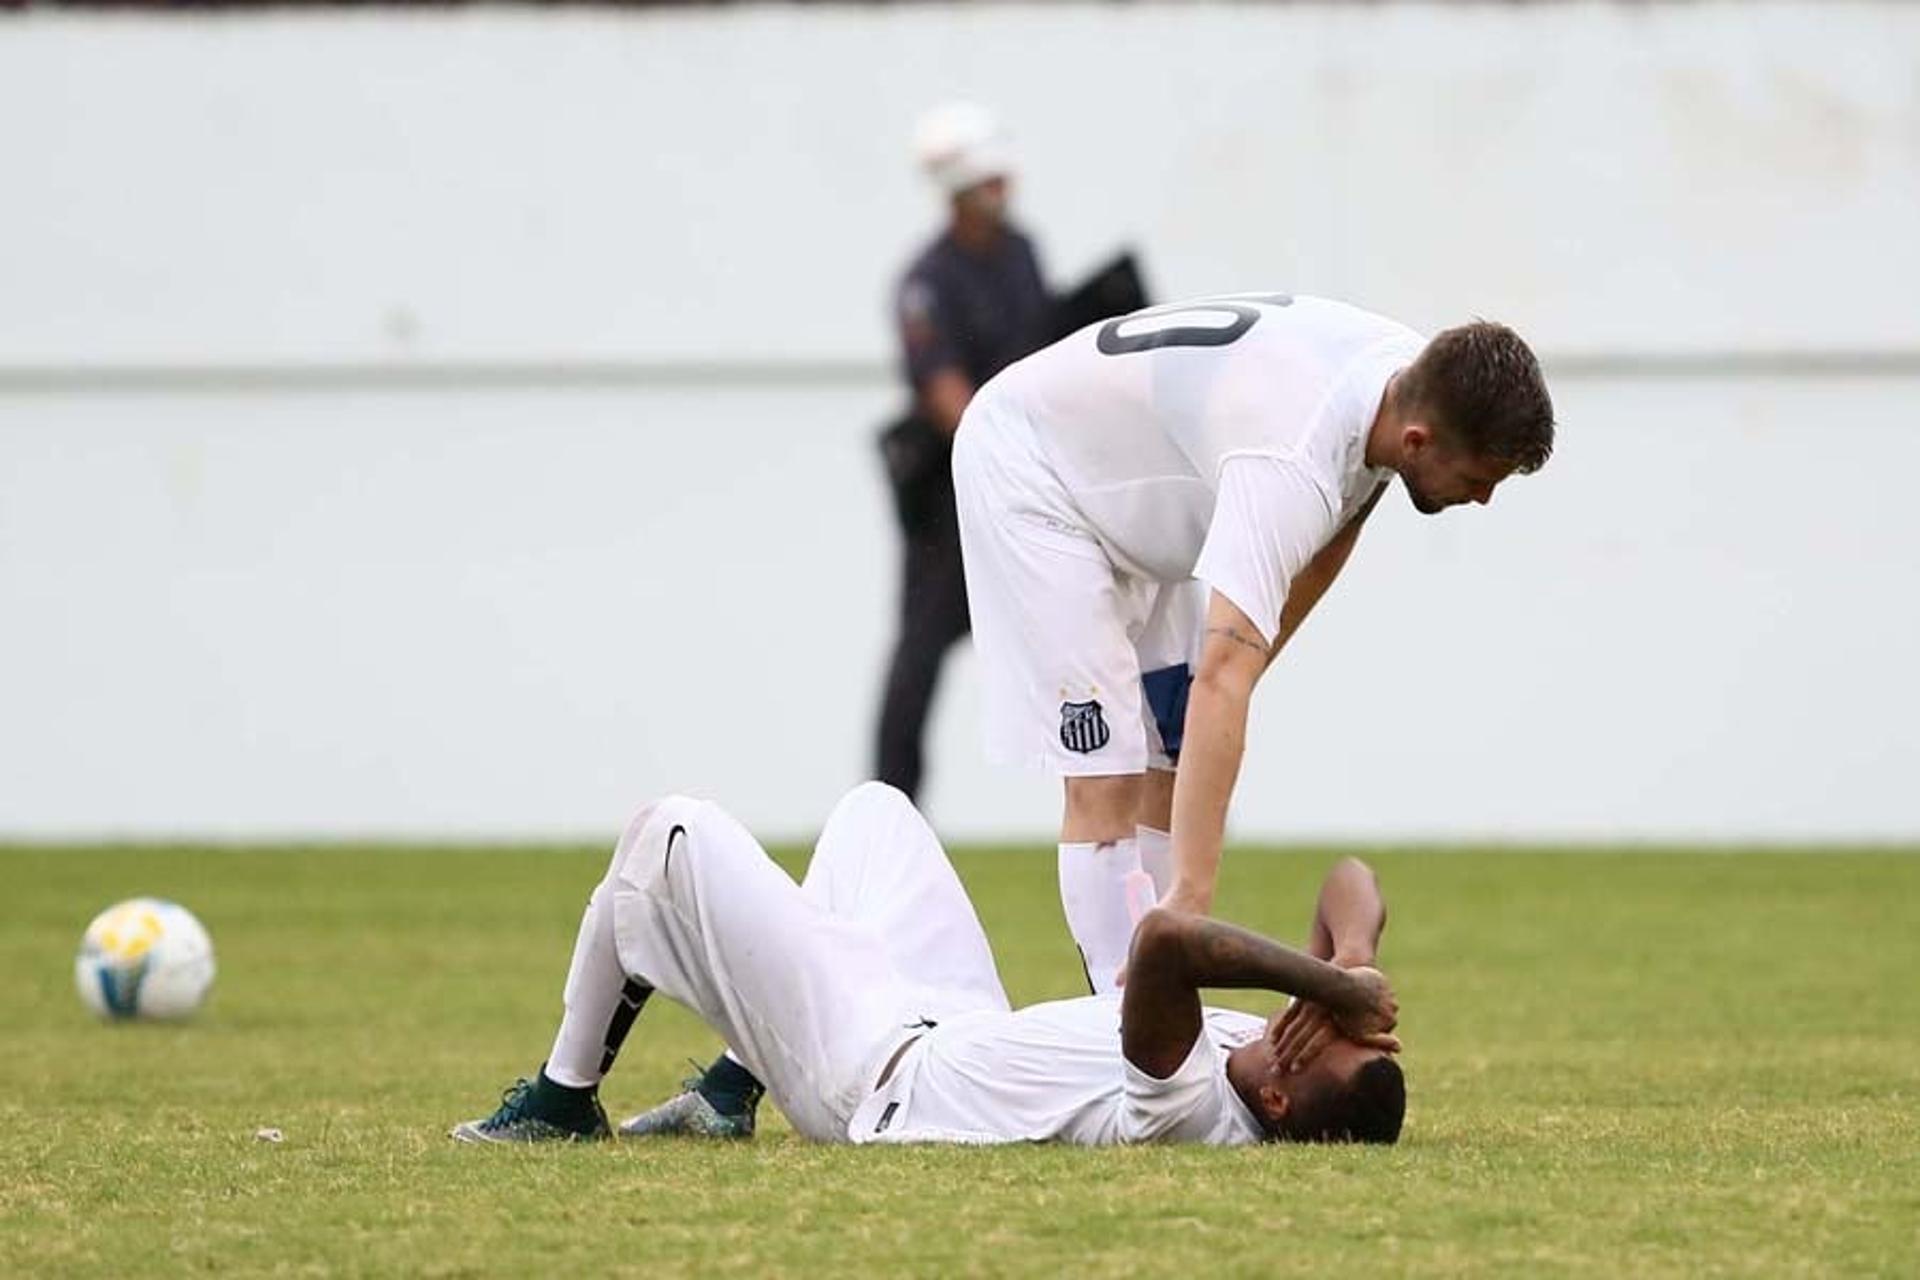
[(1095, 846), (1156, 857), (562, 1079), (728, 1086), (567, 1106), (546, 1081)]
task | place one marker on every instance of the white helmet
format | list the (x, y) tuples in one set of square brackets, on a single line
[(961, 145)]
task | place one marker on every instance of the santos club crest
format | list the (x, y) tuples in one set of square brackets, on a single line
[(1082, 727)]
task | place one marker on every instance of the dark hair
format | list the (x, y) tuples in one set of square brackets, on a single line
[(1480, 386), (1368, 1108)]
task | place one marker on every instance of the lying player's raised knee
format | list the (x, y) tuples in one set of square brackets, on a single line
[(656, 834), (873, 795), (867, 806)]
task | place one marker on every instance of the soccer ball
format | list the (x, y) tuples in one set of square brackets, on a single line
[(144, 958)]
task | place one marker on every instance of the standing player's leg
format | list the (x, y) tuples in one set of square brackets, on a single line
[(1099, 857), (1053, 625), (1168, 648), (1153, 831)]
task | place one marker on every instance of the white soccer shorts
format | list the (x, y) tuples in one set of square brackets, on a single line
[(815, 985), (1065, 639)]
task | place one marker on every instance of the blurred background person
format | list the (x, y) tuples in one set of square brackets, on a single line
[(972, 302)]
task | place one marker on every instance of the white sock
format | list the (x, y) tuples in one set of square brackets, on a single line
[(1156, 858), (1093, 892), (579, 1057)]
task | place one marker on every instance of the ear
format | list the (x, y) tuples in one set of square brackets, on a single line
[(1275, 1099), (1415, 439)]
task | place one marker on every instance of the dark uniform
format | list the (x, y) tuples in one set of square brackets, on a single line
[(977, 313)]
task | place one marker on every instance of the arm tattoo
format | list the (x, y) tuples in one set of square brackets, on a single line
[(1225, 955), (1224, 952), (1233, 634)]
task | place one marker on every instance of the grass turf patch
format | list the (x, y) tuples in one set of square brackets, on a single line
[(1640, 1062)]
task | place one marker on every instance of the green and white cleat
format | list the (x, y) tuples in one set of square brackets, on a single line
[(516, 1122), (689, 1115)]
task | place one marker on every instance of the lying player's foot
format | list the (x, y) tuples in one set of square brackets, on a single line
[(689, 1115), (523, 1118)]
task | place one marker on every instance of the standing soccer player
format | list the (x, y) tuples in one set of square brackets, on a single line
[(1150, 507)]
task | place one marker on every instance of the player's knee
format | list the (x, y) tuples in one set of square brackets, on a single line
[(671, 802), (1155, 808), (1102, 808), (654, 836), (877, 794), (868, 802)]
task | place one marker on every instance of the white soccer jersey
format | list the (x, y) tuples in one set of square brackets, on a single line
[(1055, 1073), (1222, 439)]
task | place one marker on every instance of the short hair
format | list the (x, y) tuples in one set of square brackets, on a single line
[(1480, 386), (1368, 1108)]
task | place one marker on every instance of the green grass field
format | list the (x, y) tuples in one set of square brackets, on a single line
[(1619, 1064)]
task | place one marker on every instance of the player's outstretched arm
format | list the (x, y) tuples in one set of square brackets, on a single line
[(1349, 917), (1176, 954), (1348, 920), (1232, 658)]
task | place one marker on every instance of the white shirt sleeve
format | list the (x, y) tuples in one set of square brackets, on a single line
[(1185, 1107), (1269, 520)]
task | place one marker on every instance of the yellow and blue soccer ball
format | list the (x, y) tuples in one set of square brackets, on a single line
[(144, 958)]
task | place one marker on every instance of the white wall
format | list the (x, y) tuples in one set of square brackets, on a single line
[(504, 184), (575, 500)]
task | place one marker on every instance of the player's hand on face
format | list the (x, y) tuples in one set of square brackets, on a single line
[(1305, 1029), (1367, 1018), (1299, 1034), (1374, 1011)]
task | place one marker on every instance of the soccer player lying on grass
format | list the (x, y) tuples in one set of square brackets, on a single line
[(867, 1000)]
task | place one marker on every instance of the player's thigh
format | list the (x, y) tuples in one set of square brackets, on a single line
[(1051, 620), (878, 862), (1062, 683)]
